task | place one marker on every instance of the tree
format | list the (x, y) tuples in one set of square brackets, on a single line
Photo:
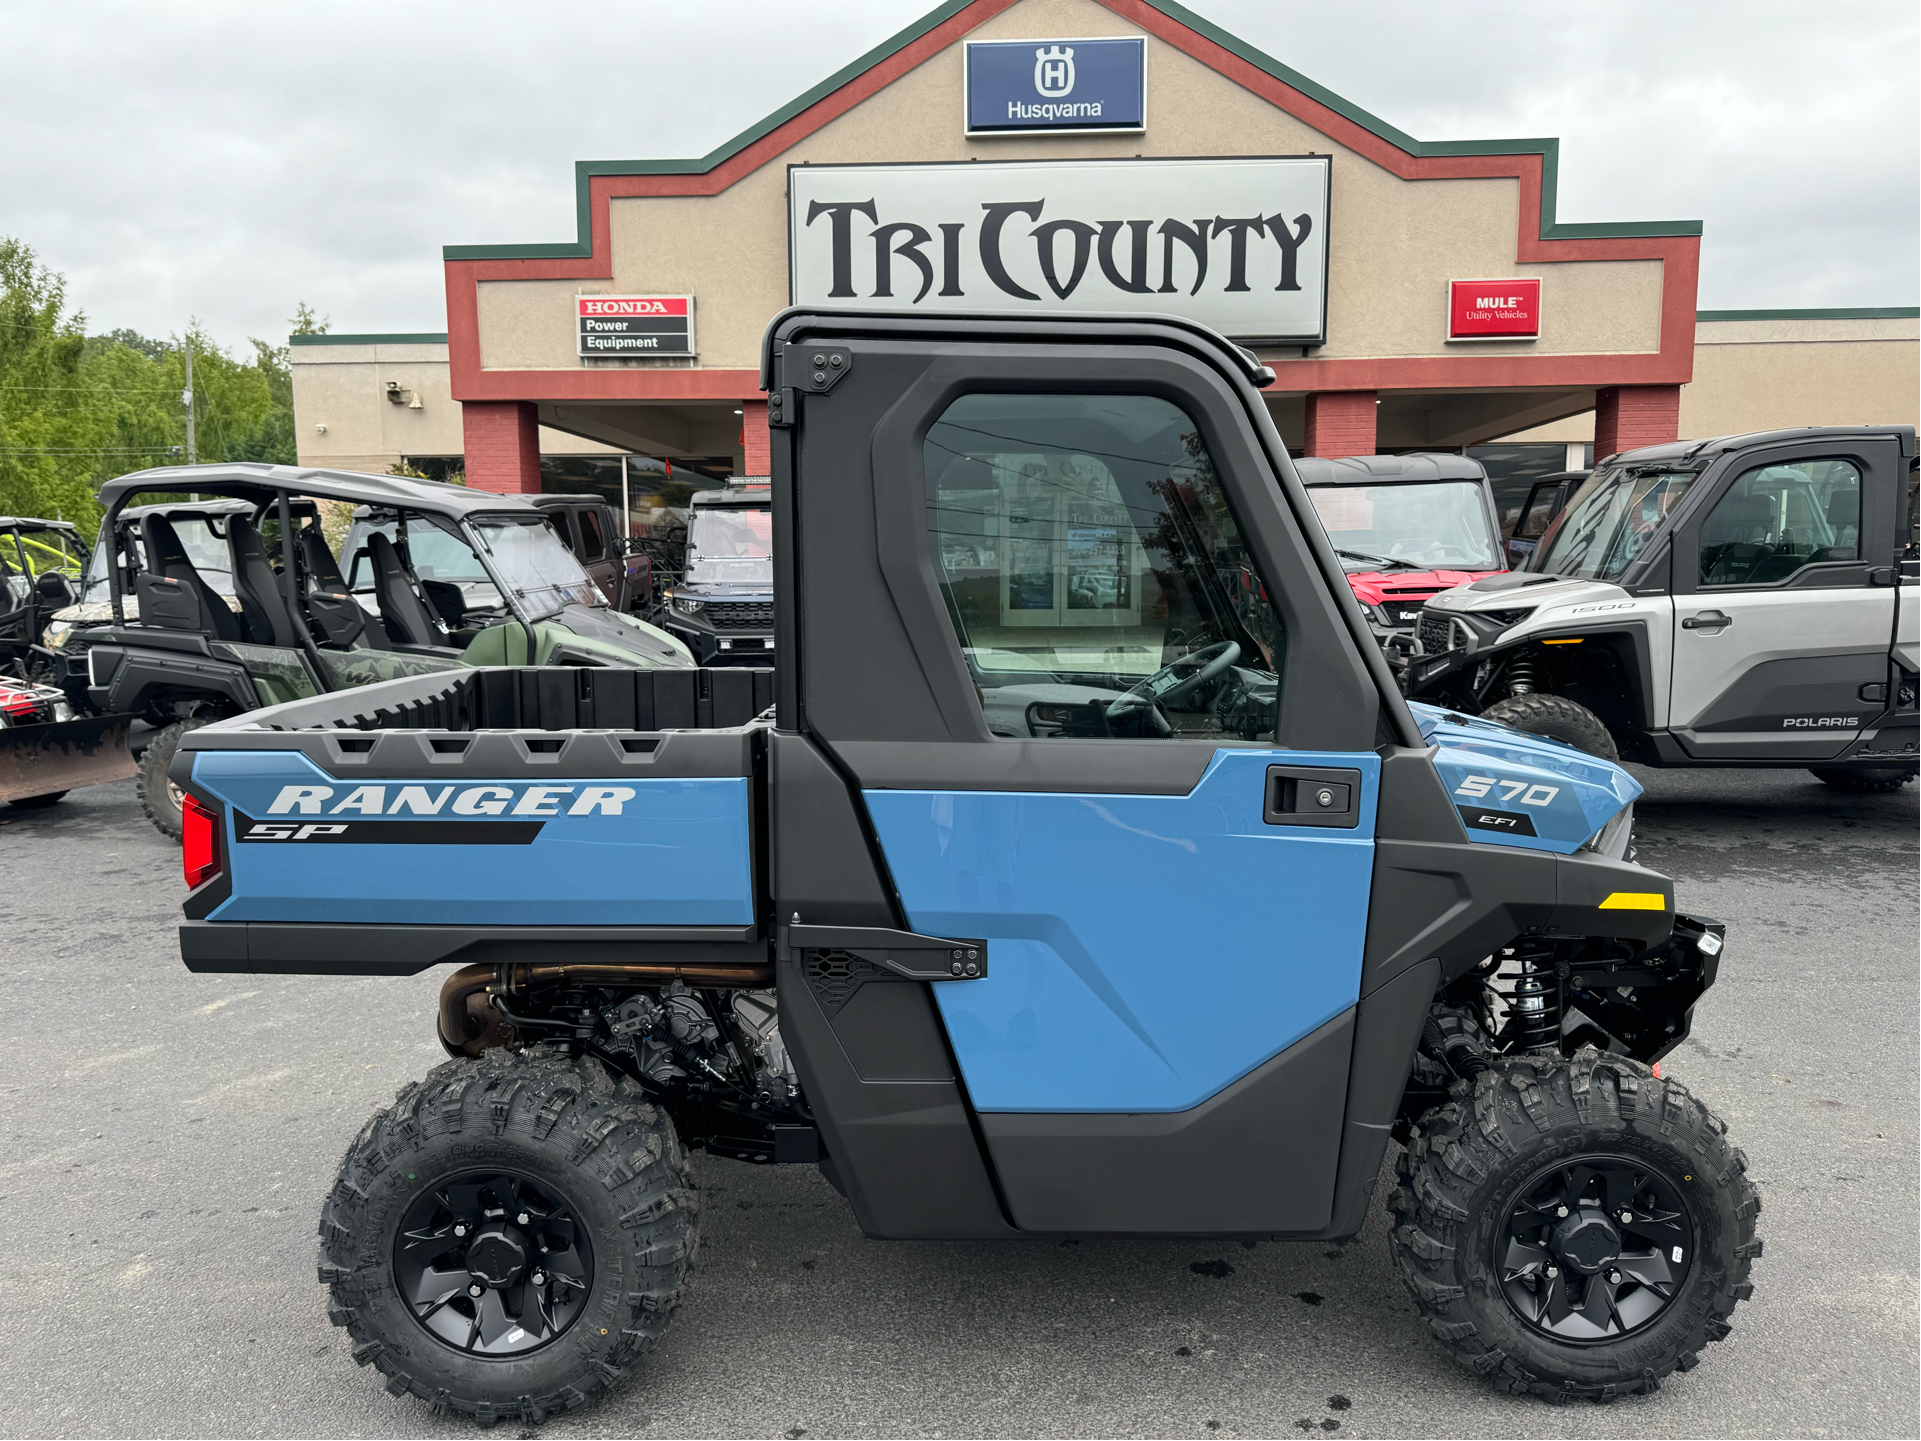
[(76, 411)]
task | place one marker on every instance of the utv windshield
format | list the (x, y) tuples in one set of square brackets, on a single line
[(529, 560), (1424, 525), (435, 555), (1608, 522), (730, 546)]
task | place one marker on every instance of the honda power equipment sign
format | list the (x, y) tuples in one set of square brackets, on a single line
[(634, 324), (1057, 85), (1494, 309), (1237, 244)]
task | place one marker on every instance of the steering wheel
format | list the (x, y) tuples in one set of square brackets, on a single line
[(1167, 685)]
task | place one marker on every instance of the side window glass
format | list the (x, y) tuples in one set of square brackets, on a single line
[(1776, 519), (1097, 581), (1534, 519), (593, 544)]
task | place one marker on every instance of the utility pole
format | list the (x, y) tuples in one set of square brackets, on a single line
[(186, 399)]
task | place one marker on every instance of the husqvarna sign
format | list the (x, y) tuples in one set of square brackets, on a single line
[(1056, 85), (1239, 244)]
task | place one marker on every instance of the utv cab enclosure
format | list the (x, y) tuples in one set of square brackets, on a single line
[(1175, 960), (722, 603), (1744, 601), (1405, 527), (588, 527)]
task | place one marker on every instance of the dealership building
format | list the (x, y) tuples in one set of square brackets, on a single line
[(1053, 156)]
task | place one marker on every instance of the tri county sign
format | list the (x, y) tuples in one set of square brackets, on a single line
[(1239, 244)]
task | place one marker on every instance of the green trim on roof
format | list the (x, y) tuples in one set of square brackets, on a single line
[(1548, 149), (1844, 312), (404, 337)]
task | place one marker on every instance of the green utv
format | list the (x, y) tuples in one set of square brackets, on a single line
[(1077, 870), (202, 609)]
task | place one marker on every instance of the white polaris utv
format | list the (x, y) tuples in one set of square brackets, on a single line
[(1745, 601)]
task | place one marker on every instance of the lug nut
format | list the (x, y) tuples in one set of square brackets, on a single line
[(460, 1230), (522, 1218), (476, 1290), (1627, 1218), (1560, 1210), (1552, 1272), (1614, 1278), (539, 1278)]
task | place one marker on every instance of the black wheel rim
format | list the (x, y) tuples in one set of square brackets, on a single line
[(493, 1263), (1594, 1249)]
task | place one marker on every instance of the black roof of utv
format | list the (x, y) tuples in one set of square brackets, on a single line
[(1385, 469)]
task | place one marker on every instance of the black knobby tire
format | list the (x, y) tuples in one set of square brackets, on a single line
[(158, 796), (1558, 718), (575, 1130), (34, 803), (1865, 780), (1464, 1171)]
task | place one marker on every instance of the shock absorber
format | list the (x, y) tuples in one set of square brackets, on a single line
[(1522, 677), (1534, 1002)]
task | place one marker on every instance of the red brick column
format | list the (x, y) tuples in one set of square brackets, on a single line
[(1627, 417), (502, 446), (756, 445), (1340, 422)]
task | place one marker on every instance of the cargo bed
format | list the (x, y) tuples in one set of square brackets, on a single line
[(490, 814)]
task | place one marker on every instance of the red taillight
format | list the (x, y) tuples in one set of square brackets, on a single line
[(199, 842)]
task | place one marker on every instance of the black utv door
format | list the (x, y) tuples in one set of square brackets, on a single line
[(1063, 675)]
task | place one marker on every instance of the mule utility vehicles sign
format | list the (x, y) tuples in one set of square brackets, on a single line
[(1078, 870)]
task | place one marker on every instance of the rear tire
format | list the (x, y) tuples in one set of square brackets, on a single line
[(34, 803), (601, 1158), (1863, 781), (1471, 1181), (1558, 718), (159, 797)]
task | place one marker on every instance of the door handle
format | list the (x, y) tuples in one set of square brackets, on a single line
[(1711, 621), (1310, 796)]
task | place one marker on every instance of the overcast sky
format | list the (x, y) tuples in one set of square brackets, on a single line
[(225, 160)]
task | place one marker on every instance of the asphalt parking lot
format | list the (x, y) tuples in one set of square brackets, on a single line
[(168, 1138)]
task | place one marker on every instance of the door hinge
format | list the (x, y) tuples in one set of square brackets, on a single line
[(783, 407)]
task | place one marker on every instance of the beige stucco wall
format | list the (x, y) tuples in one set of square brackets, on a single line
[(1768, 374), (1395, 244), (344, 421)]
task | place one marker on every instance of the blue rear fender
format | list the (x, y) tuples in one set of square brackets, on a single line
[(1516, 789)]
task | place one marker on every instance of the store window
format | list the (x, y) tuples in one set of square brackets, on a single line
[(1097, 581), (1777, 519)]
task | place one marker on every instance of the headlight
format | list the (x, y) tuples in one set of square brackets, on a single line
[(57, 633), (1379, 614), (687, 605)]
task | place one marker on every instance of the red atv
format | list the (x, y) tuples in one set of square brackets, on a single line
[(1406, 527)]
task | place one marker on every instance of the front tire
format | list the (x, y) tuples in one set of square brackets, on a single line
[(1558, 718), (1509, 1230), (546, 1184), (159, 796), (1864, 780)]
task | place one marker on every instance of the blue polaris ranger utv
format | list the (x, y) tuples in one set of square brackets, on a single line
[(1078, 871)]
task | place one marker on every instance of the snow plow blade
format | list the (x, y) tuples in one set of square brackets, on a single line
[(37, 760)]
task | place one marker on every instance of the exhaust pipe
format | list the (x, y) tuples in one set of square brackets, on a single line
[(469, 1024)]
